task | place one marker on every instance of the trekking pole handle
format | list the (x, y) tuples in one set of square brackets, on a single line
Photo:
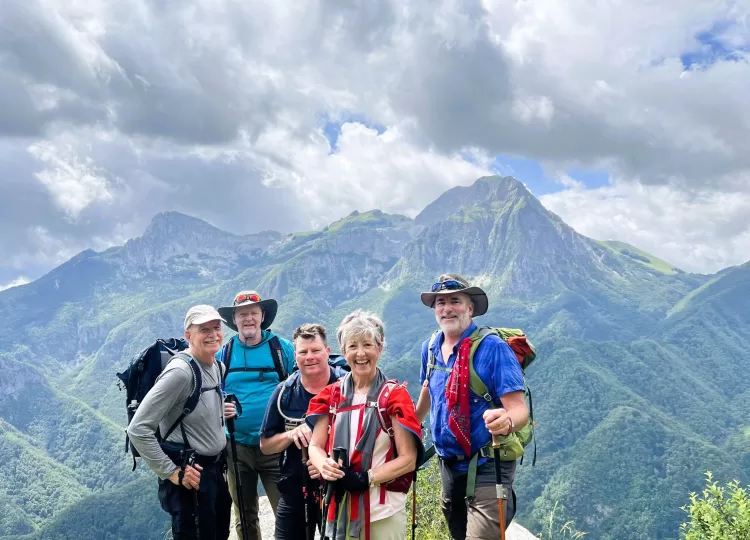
[(231, 398), (338, 453)]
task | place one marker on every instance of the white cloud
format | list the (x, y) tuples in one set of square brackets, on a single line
[(74, 182), (369, 170), (221, 84), (700, 231), (21, 280)]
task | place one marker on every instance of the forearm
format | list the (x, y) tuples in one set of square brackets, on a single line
[(316, 448), (393, 469), (520, 417), (317, 455), (423, 403), (274, 445)]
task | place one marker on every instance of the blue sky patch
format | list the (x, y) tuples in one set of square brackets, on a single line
[(532, 174), (712, 46), (332, 127)]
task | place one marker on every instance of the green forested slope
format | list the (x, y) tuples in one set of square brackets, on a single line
[(640, 386)]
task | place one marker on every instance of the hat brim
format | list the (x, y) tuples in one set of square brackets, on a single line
[(269, 307), (207, 318), (477, 295)]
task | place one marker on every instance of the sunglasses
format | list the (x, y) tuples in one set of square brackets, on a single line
[(246, 298), (449, 285)]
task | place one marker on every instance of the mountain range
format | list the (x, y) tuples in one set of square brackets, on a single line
[(640, 384)]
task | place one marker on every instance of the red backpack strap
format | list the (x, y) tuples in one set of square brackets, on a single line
[(403, 482), (383, 416), (332, 408)]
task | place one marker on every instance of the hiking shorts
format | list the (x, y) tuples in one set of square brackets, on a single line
[(478, 518), (211, 504)]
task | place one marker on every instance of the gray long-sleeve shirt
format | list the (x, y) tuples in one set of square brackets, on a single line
[(163, 404)]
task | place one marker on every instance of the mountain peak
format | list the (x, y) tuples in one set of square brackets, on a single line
[(483, 190), (176, 223)]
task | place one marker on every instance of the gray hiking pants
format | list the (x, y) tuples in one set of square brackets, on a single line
[(252, 464)]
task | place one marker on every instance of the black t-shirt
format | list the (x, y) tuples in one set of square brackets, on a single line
[(294, 402)]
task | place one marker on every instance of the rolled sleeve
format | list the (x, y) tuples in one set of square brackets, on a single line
[(507, 375), (273, 423)]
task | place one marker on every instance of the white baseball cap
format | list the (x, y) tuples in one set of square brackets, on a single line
[(202, 314)]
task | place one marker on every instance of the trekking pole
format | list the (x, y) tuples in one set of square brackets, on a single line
[(336, 455), (190, 460), (309, 532), (414, 507), (502, 493), (231, 398)]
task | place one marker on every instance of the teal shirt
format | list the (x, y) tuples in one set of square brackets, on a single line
[(252, 391)]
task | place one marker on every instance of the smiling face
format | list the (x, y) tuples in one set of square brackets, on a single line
[(248, 319), (453, 313), (311, 355), (205, 340), (362, 354)]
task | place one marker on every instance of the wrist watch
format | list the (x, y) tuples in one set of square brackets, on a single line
[(371, 478), (512, 425)]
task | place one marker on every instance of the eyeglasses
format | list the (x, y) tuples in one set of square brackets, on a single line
[(246, 298), (449, 285)]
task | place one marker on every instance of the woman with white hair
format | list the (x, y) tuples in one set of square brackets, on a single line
[(369, 455)]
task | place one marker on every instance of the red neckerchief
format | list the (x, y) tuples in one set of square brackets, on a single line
[(457, 397)]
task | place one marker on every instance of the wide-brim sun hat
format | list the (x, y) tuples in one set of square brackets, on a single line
[(250, 298), (453, 283)]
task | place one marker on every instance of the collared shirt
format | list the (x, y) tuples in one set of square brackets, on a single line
[(497, 366)]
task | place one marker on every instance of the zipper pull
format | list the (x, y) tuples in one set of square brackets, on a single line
[(260, 377)]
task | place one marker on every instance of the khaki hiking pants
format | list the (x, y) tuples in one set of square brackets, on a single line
[(477, 519), (252, 464)]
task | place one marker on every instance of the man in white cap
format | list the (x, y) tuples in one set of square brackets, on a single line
[(255, 361), (187, 451)]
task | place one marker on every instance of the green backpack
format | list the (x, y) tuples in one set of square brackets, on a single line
[(512, 446)]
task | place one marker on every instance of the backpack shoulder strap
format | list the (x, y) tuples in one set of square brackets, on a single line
[(383, 394), (476, 384), (278, 357), (226, 358), (192, 401), (430, 356)]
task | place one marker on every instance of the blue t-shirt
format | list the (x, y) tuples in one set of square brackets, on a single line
[(253, 388), (294, 404), (496, 364)]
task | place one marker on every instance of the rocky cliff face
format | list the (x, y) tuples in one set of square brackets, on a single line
[(175, 243)]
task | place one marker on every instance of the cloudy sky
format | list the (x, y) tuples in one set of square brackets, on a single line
[(631, 120)]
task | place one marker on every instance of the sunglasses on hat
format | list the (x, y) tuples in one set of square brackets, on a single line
[(240, 298), (450, 285)]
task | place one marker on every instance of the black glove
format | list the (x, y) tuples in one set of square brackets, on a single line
[(354, 480)]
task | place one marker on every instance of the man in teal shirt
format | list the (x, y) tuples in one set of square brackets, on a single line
[(256, 361)]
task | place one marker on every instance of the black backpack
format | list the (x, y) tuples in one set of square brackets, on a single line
[(276, 354), (141, 374)]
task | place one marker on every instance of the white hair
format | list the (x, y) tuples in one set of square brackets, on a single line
[(360, 324)]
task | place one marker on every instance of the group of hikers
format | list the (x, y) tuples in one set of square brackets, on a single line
[(334, 441)]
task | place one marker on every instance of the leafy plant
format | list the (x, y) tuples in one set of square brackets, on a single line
[(558, 528), (718, 513)]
